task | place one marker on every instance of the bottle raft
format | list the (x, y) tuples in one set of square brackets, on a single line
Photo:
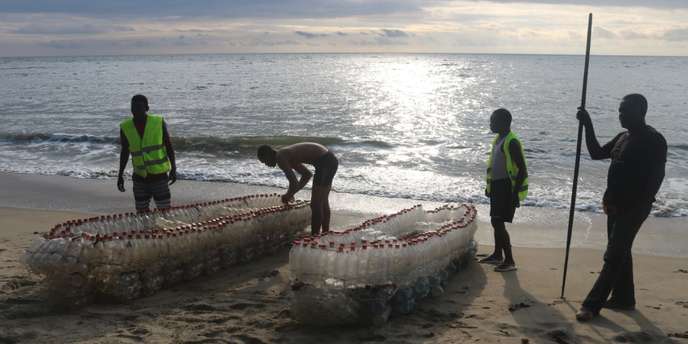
[(124, 256), (384, 265)]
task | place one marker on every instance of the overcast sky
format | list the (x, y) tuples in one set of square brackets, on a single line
[(88, 27)]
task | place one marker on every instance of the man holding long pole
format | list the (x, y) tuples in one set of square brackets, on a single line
[(635, 175)]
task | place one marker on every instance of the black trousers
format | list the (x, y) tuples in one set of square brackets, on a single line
[(616, 277)]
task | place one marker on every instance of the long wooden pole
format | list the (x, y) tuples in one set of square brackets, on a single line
[(578, 154)]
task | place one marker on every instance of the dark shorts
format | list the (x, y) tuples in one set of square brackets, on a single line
[(325, 169), (502, 205), (157, 189)]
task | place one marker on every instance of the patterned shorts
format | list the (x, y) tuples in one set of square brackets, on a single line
[(158, 190)]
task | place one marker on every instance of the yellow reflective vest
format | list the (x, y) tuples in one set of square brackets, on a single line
[(148, 154), (511, 167)]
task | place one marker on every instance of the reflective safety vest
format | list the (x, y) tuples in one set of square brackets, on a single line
[(148, 154), (511, 167)]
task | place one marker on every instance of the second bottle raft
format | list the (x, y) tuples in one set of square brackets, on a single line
[(384, 265), (124, 256)]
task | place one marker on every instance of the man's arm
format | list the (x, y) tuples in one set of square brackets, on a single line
[(657, 170), (596, 151), (305, 176), (655, 179), (123, 159), (294, 184), (517, 156), (170, 153)]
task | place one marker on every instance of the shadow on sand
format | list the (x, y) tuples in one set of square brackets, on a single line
[(648, 333), (248, 303), (241, 303), (432, 317), (536, 319)]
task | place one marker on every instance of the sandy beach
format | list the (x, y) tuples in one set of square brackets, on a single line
[(250, 303)]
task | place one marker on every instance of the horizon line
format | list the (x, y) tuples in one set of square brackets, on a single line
[(336, 53)]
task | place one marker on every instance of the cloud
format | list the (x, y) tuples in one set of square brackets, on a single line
[(310, 35), (173, 44), (64, 44), (382, 37), (604, 33), (184, 41), (676, 35), (52, 27), (378, 41), (136, 43), (77, 44), (393, 33), (620, 3), (630, 34), (69, 29), (213, 8)]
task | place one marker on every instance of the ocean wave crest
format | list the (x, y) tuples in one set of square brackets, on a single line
[(665, 207), (201, 144)]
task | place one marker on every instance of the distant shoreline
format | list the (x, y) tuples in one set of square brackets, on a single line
[(337, 53)]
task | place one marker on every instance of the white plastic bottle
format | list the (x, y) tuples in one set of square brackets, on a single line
[(353, 272), (295, 260), (363, 269)]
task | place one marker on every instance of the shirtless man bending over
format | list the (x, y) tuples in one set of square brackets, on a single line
[(292, 158)]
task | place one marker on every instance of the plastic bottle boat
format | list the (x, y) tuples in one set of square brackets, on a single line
[(124, 256), (384, 265)]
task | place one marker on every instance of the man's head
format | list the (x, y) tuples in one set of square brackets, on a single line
[(632, 111), (500, 121), (267, 155), (139, 105)]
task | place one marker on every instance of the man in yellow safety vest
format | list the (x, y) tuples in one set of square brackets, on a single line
[(507, 186), (146, 138)]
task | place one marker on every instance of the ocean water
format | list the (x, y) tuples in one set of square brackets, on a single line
[(409, 126)]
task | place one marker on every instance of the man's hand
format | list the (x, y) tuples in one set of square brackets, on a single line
[(610, 209), (286, 198), (583, 116), (173, 176), (515, 200), (120, 183)]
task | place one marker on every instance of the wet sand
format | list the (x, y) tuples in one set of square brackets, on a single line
[(250, 303)]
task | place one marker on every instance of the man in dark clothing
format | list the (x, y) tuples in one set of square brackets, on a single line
[(152, 156), (634, 178)]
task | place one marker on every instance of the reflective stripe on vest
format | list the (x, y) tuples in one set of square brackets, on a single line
[(511, 167), (148, 154), (147, 149)]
